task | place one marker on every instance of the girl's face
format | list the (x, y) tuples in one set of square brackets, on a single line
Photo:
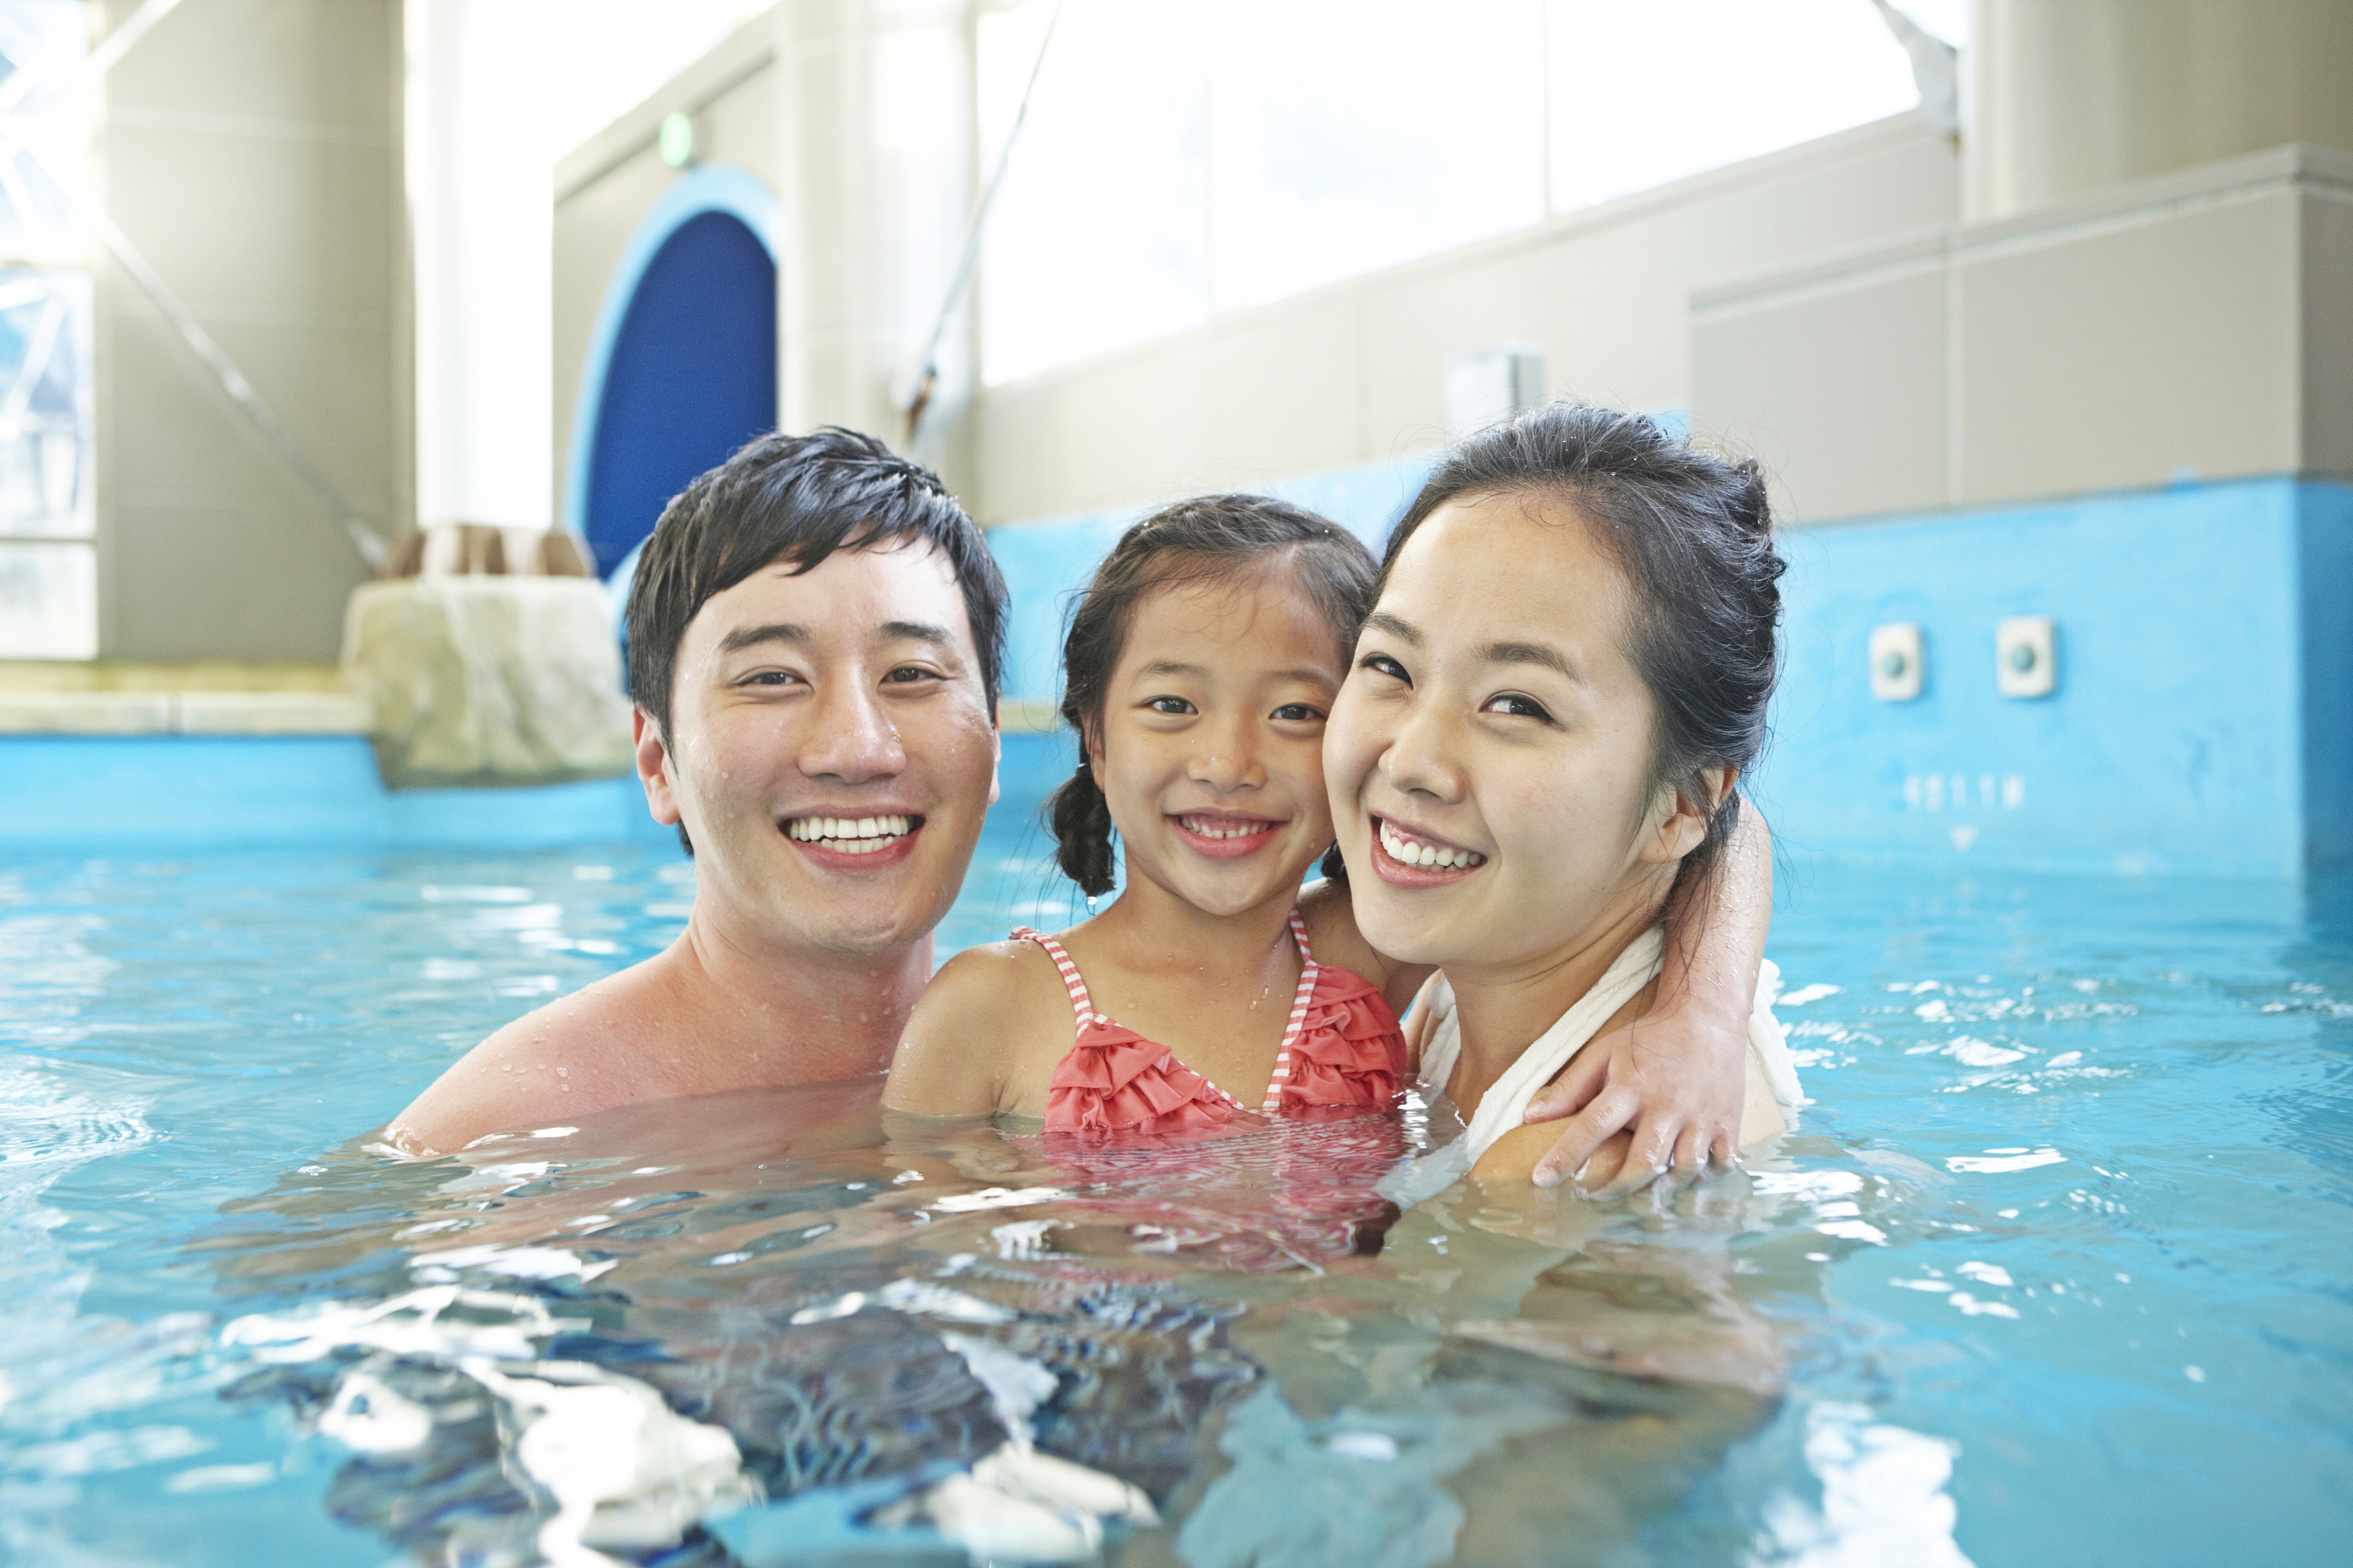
[(1211, 753), (1489, 756)]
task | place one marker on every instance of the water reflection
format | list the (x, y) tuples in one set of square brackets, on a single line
[(788, 1326)]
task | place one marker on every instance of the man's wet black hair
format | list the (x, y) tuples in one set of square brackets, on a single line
[(799, 498)]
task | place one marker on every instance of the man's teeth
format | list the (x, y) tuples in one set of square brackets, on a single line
[(1414, 852), (849, 835), (1204, 828)]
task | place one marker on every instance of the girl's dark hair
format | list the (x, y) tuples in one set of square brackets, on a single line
[(1197, 541), (1693, 533)]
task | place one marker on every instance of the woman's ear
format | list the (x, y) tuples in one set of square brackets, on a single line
[(1679, 823)]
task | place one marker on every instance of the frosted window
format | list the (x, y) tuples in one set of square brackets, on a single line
[(48, 599), (1352, 134), (1649, 94), (45, 405), (1099, 236), (1180, 160), (44, 128)]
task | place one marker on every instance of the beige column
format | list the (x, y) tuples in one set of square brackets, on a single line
[(2063, 96), (876, 110)]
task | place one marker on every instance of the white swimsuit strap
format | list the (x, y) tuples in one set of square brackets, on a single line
[(1505, 1103)]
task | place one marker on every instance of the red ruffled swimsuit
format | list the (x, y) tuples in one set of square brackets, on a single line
[(1342, 1049)]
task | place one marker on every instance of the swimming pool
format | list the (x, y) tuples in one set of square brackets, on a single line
[(2053, 1271)]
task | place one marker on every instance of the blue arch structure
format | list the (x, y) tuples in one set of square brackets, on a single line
[(681, 368)]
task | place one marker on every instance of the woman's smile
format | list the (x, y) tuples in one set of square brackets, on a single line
[(1409, 858)]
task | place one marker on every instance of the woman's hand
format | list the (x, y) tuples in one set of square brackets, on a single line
[(1677, 1076), (1674, 1076)]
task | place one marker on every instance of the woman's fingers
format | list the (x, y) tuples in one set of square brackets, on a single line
[(1651, 1156), (1571, 1092), (1606, 1114)]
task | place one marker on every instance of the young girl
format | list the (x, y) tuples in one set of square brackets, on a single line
[(1199, 671)]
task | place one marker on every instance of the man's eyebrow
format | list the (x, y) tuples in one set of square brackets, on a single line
[(918, 631), (742, 637), (1381, 621), (1532, 653)]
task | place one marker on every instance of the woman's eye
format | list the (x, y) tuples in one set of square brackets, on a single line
[(1518, 706), (1299, 712), (1169, 705), (1382, 664)]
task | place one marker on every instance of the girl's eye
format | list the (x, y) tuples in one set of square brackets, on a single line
[(1169, 705), (1299, 712), (1382, 664), (1518, 706)]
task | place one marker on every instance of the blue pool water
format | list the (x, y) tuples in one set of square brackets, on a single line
[(2055, 1269)]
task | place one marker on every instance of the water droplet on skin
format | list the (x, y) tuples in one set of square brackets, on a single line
[(564, 1072)]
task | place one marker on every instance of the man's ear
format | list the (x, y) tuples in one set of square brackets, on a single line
[(995, 761), (653, 767)]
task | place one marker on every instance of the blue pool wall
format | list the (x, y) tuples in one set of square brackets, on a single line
[(166, 795), (2203, 722)]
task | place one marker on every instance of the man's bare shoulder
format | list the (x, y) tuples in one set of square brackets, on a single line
[(598, 1048), (984, 1013)]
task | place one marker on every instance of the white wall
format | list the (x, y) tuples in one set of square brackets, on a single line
[(1352, 372)]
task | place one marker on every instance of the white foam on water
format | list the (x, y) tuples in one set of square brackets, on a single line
[(1884, 1499), (1994, 1161)]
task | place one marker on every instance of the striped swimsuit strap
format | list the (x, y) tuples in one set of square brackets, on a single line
[(1299, 1001), (1085, 1007), (1079, 1003)]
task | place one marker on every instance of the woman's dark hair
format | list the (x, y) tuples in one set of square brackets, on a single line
[(1203, 540), (1693, 533)]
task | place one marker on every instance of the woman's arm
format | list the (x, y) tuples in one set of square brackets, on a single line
[(1675, 1077)]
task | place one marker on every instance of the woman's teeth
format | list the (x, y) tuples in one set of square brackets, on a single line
[(1414, 852), (1204, 828), (849, 835)]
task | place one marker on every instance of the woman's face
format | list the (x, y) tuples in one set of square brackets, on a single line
[(1212, 742), (1488, 757)]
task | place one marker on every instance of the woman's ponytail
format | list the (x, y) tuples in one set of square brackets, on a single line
[(1080, 819)]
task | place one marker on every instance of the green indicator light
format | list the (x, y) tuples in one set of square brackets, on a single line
[(677, 141), (2022, 658), (1891, 665)]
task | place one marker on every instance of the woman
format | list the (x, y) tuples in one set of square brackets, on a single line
[(1565, 675)]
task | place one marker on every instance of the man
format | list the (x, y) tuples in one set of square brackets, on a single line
[(815, 632)]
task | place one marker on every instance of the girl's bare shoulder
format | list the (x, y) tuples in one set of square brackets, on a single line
[(982, 1016), (1330, 917)]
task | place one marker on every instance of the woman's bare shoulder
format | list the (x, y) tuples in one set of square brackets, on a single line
[(975, 1028)]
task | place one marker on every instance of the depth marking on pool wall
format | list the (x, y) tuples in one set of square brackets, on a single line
[(1930, 791)]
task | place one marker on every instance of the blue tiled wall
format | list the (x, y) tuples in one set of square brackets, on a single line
[(2205, 692), (2203, 721)]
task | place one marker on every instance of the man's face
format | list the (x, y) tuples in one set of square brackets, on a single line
[(831, 752)]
